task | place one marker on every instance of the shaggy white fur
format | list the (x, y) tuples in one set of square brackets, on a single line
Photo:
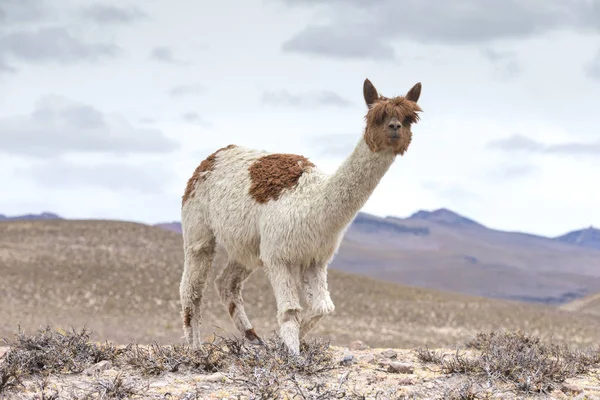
[(293, 238)]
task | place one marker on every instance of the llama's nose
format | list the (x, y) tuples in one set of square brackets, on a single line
[(395, 124)]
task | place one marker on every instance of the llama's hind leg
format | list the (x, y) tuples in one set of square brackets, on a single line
[(316, 294), (285, 287), (199, 255), (229, 285)]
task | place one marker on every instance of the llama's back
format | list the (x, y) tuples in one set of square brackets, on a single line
[(238, 191)]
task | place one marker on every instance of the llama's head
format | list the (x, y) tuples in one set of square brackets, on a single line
[(389, 120)]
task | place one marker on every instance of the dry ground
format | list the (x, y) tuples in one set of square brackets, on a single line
[(121, 280), (50, 365)]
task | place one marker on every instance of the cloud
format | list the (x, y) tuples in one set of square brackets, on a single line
[(115, 176), (307, 100), (185, 90), (164, 54), (194, 118), (592, 68), (341, 42), (17, 12), (58, 125), (54, 44), (375, 25), (505, 62), (522, 143), (108, 14)]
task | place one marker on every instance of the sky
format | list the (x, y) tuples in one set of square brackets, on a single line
[(106, 107)]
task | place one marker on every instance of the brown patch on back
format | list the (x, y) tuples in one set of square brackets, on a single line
[(272, 174), (382, 110), (187, 317), (231, 309), (205, 166)]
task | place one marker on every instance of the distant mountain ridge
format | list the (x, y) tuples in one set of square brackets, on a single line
[(589, 237), (446, 217), (43, 215)]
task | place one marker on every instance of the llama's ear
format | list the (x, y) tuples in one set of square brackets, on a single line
[(414, 93), (370, 93)]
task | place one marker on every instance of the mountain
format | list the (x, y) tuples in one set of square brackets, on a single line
[(445, 217), (43, 215), (170, 226), (589, 237), (121, 280)]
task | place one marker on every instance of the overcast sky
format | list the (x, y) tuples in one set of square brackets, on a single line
[(107, 108)]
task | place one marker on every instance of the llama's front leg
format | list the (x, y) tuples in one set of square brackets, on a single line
[(229, 285), (316, 294), (285, 288)]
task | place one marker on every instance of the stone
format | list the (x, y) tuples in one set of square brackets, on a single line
[(98, 368), (367, 358), (570, 388), (347, 358), (389, 353), (400, 368), (358, 345), (216, 377), (3, 351)]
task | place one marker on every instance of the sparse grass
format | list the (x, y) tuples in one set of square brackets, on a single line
[(523, 360)]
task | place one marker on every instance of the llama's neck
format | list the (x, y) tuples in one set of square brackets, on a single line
[(349, 188)]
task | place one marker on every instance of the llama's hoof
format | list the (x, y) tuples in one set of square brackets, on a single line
[(326, 307), (252, 337)]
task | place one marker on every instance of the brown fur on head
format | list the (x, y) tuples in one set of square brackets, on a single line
[(389, 120)]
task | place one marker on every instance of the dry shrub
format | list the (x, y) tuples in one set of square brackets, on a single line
[(115, 388), (519, 359), (156, 359), (48, 351), (269, 369), (9, 376)]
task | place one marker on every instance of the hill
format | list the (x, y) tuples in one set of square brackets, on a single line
[(588, 305), (444, 250), (589, 237), (121, 280)]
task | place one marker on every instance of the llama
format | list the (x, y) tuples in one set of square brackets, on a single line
[(280, 213)]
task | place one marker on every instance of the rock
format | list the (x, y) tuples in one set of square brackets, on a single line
[(358, 345), (216, 377), (400, 368), (3, 351), (98, 368), (389, 353), (406, 382), (368, 358), (348, 358), (570, 388)]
